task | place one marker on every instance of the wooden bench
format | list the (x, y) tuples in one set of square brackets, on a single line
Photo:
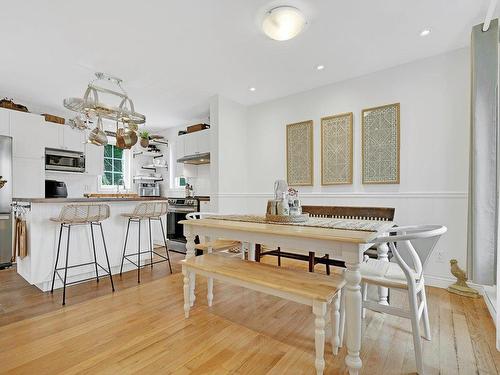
[(319, 291)]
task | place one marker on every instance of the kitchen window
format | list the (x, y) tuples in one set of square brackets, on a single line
[(115, 173)]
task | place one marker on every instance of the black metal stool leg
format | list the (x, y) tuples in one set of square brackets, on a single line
[(107, 258), (57, 258), (124, 247), (139, 253), (150, 242), (93, 248), (166, 247), (66, 267)]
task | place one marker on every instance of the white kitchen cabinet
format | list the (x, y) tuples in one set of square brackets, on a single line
[(203, 141), (29, 178), (73, 139), (4, 122), (204, 206), (52, 135), (94, 159), (179, 153), (26, 131), (197, 142)]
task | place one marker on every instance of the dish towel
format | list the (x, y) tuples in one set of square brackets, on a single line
[(20, 239)]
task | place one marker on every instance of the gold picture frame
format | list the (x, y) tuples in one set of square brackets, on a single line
[(299, 154), (380, 144), (337, 149)]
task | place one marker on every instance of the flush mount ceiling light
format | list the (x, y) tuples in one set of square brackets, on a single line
[(283, 23), (252, 89), (320, 67), (425, 32)]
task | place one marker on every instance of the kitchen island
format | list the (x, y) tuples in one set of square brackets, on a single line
[(37, 267)]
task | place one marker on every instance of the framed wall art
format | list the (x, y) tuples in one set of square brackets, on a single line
[(299, 153), (380, 134), (336, 149)]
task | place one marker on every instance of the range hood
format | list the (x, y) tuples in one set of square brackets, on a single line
[(196, 159)]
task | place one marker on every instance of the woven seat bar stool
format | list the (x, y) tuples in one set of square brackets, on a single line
[(146, 211), (81, 214)]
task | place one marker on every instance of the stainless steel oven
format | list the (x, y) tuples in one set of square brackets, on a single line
[(64, 160), (178, 208)]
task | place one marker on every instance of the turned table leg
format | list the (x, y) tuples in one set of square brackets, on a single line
[(382, 251), (353, 317), (319, 310), (186, 292), (190, 252), (336, 324)]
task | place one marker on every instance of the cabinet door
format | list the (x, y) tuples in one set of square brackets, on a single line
[(94, 159), (4, 122), (52, 135), (203, 141), (26, 131), (28, 176), (204, 206), (73, 139)]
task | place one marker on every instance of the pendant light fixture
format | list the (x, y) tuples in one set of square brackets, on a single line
[(91, 106), (283, 23)]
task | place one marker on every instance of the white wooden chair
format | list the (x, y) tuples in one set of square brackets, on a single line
[(401, 276)]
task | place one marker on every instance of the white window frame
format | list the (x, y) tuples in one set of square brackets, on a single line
[(126, 166)]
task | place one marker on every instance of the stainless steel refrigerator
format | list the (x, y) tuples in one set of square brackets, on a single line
[(5, 201)]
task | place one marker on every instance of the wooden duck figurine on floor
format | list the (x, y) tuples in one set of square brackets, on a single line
[(461, 287)]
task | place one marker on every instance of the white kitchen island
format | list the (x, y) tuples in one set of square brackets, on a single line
[(43, 234)]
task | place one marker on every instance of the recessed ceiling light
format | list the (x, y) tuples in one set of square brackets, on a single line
[(252, 89), (425, 32), (283, 23), (320, 67)]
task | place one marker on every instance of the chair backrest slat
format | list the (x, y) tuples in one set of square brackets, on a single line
[(349, 212)]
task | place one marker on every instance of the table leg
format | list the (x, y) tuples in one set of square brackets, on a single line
[(383, 293), (319, 310), (336, 324), (353, 314), (190, 252), (210, 280), (251, 251), (186, 292)]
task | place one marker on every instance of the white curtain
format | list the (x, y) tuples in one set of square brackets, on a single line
[(482, 236)]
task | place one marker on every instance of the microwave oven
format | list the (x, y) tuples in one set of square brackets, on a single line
[(64, 160)]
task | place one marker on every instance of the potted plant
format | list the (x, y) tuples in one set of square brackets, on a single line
[(144, 135)]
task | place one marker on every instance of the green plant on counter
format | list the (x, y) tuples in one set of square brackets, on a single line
[(144, 134)]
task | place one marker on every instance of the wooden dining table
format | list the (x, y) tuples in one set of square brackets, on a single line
[(342, 244)]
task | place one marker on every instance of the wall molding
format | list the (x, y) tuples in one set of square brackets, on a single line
[(385, 195)]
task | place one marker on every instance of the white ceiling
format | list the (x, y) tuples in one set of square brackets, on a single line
[(174, 55)]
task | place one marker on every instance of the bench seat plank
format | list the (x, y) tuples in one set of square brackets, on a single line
[(303, 284)]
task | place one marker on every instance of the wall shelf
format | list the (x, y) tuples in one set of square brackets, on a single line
[(153, 167), (147, 178), (154, 155)]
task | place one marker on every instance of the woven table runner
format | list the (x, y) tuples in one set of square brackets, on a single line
[(319, 222)]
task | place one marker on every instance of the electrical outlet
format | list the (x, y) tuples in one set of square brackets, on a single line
[(440, 257)]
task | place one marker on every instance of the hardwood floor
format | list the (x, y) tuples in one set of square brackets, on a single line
[(141, 329)]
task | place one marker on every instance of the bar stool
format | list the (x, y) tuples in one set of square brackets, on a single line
[(83, 214), (146, 211)]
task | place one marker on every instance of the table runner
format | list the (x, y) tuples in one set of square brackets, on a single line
[(319, 222)]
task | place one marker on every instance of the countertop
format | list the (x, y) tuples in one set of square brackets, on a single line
[(87, 200)]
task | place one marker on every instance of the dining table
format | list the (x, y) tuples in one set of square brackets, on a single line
[(340, 239)]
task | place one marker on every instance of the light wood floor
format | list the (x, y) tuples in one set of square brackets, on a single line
[(141, 329)]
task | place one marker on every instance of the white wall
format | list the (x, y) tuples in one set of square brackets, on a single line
[(434, 97), (229, 154)]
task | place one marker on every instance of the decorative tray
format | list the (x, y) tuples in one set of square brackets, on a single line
[(287, 219)]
